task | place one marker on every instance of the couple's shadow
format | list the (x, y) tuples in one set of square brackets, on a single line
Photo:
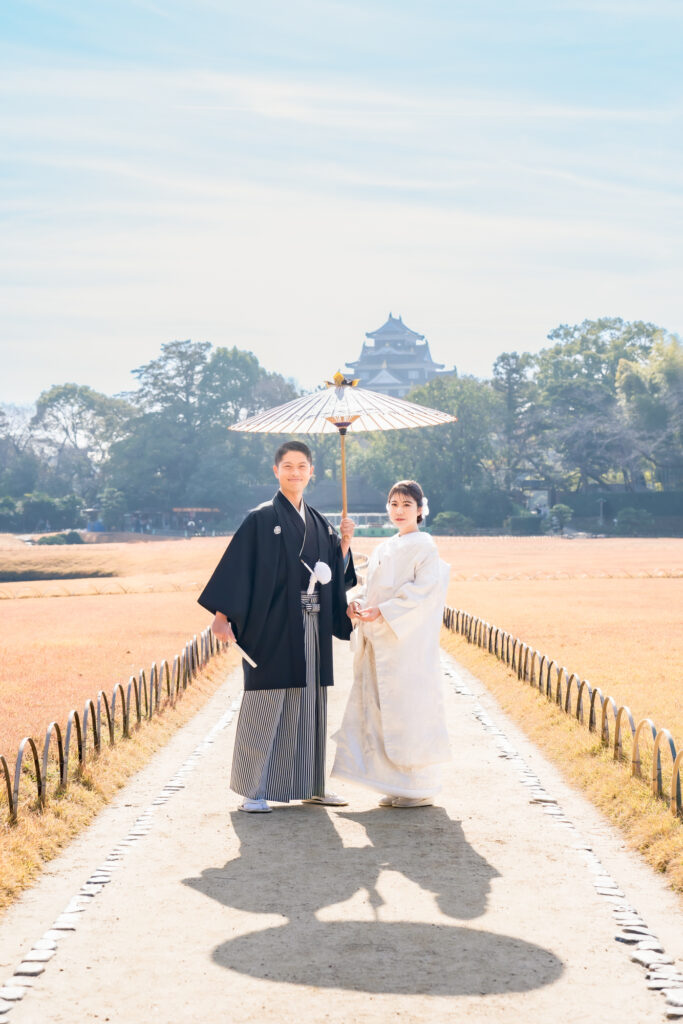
[(292, 864)]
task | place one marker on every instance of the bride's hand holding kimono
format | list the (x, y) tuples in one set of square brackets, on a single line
[(369, 614)]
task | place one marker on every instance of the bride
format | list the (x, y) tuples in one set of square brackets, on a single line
[(393, 736)]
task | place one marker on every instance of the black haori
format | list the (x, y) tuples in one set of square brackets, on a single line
[(258, 583)]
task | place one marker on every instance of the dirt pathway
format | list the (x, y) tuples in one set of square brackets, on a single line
[(486, 908)]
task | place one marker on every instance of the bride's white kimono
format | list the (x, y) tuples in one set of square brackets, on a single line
[(393, 737)]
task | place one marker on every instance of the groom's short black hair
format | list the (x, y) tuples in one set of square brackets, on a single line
[(292, 446)]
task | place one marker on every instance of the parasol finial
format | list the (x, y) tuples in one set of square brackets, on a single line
[(340, 381)]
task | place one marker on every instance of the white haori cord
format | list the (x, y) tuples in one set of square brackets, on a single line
[(320, 573)]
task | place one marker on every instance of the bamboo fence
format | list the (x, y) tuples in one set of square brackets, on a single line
[(573, 694), (139, 701)]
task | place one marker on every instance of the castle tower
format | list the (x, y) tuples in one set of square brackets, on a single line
[(394, 360)]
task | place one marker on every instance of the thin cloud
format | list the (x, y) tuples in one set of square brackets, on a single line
[(272, 198), (289, 99), (645, 9)]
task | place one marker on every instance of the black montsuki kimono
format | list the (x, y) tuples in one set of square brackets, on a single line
[(257, 585)]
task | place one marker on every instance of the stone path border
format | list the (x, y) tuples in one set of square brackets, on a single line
[(644, 946), (32, 965)]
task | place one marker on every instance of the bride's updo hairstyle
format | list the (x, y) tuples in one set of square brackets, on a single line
[(411, 489)]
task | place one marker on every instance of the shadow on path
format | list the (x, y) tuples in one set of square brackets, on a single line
[(292, 863)]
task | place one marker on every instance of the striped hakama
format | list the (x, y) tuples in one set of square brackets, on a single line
[(281, 734)]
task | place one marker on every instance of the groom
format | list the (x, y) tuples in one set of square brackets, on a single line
[(279, 591)]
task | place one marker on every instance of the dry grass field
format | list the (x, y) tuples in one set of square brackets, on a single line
[(623, 636), (58, 650), (645, 821), (608, 609), (40, 834), (56, 653), (119, 568)]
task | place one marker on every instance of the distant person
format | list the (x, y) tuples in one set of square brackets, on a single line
[(393, 737), (279, 591)]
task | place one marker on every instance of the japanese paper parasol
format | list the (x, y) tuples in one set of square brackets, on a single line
[(342, 406)]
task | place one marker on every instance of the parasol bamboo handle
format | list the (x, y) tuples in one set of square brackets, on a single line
[(342, 435)]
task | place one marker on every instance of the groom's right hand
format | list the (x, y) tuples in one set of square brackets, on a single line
[(221, 629)]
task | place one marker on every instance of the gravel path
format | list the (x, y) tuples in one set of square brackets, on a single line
[(502, 903)]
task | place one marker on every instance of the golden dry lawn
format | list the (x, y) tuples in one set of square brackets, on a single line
[(40, 834), (622, 635), (645, 820), (610, 610), (63, 641), (56, 653), (123, 567)]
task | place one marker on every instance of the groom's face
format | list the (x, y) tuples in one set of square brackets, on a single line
[(293, 472)]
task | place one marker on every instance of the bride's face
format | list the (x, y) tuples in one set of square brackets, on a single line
[(403, 512)]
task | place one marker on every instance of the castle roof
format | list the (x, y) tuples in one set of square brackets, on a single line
[(394, 328), (383, 377), (394, 359), (418, 354)]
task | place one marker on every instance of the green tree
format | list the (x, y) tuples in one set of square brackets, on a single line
[(171, 382), (75, 426), (178, 450), (38, 512), (226, 386), (453, 463), (112, 506), (69, 512), (634, 522), (519, 423), (152, 463), (560, 515), (9, 516), (164, 439), (451, 524), (576, 379), (233, 384), (20, 465), (651, 400)]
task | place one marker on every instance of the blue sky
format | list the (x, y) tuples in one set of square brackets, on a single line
[(282, 176)]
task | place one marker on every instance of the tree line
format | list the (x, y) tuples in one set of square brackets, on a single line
[(599, 409)]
